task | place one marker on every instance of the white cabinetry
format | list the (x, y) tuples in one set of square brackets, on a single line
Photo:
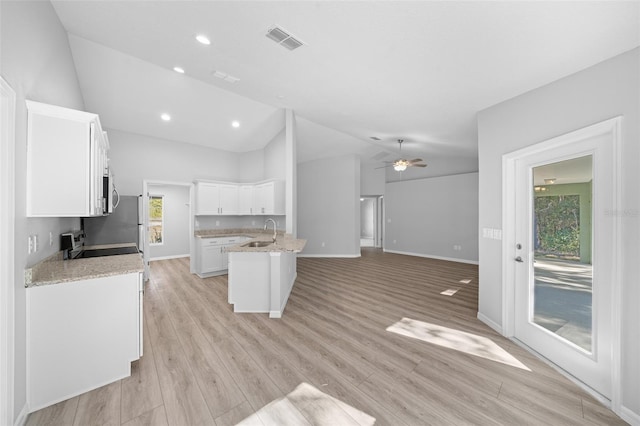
[(66, 162), (213, 258), (216, 199), (269, 198), (81, 335), (245, 199)]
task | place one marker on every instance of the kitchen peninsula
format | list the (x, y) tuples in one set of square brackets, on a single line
[(261, 272)]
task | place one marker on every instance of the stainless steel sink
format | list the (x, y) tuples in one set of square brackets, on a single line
[(257, 244)]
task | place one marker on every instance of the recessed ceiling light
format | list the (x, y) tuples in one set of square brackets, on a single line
[(178, 70), (165, 117), (235, 123), (203, 39)]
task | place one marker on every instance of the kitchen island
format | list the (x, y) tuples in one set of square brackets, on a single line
[(261, 278)]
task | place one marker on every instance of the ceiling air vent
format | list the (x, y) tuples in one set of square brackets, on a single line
[(224, 76), (283, 38)]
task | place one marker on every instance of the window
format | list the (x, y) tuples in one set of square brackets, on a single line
[(156, 219)]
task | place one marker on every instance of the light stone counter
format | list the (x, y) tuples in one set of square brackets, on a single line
[(284, 242), (54, 270)]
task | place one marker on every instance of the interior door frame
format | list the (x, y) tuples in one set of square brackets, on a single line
[(145, 207), (611, 127), (7, 248)]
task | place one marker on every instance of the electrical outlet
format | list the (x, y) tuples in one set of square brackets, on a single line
[(50, 238), (217, 223), (35, 243), (253, 223), (394, 241), (30, 245), (323, 244)]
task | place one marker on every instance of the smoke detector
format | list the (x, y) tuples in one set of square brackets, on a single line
[(283, 38)]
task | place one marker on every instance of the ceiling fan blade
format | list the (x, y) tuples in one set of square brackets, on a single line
[(415, 160), (417, 165)]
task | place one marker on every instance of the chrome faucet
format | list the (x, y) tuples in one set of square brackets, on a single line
[(274, 228)]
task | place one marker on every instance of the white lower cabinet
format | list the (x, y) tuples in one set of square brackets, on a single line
[(213, 258), (81, 335)]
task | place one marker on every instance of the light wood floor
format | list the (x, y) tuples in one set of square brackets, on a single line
[(329, 360)]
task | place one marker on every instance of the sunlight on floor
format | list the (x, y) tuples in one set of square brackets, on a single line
[(471, 344), (306, 405)]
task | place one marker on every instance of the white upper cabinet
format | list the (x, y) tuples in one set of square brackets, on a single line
[(66, 162), (228, 199), (245, 199), (216, 199), (269, 198)]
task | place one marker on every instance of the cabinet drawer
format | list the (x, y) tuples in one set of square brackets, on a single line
[(221, 241), (206, 242)]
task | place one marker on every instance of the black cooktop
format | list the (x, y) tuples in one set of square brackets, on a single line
[(113, 251)]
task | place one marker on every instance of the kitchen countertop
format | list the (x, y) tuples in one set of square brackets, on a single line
[(284, 242), (55, 270)]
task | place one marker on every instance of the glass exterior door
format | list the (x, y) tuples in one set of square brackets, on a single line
[(561, 237), (564, 256)]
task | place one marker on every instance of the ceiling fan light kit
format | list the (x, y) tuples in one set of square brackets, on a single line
[(401, 164)]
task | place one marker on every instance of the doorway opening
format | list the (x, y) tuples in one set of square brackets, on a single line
[(371, 221), (168, 224)]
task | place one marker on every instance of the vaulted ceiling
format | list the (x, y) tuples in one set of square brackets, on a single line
[(417, 70)]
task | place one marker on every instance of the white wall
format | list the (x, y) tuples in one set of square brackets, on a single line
[(329, 206), (428, 217), (603, 91), (176, 219), (274, 158), (250, 166), (436, 166), (372, 179), (134, 158), (36, 62)]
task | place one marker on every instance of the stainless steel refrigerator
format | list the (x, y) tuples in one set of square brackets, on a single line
[(124, 225)]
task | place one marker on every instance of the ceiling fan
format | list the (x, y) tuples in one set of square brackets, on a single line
[(401, 164)]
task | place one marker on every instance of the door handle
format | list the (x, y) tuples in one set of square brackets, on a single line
[(519, 259)]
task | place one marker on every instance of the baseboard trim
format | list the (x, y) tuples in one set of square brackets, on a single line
[(21, 420), (629, 416), (449, 259), (178, 256), (350, 256), (494, 325)]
